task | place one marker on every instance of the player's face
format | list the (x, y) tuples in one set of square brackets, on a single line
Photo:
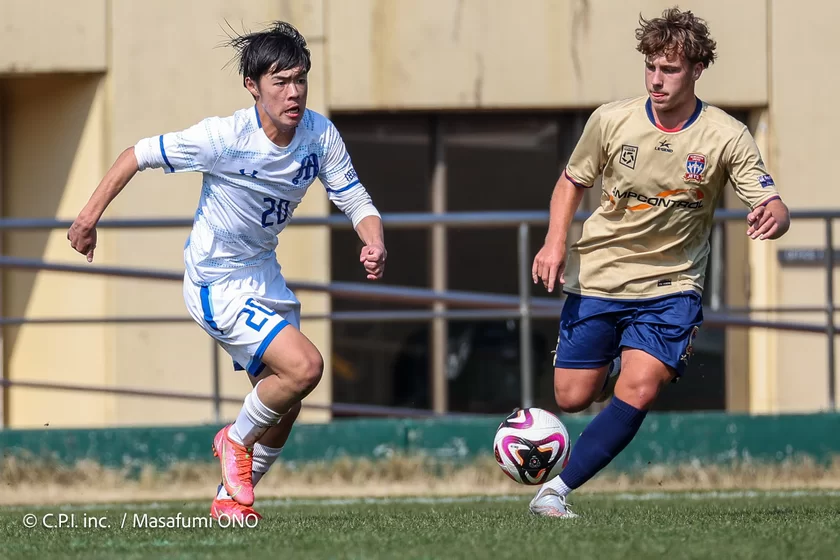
[(283, 96), (670, 80)]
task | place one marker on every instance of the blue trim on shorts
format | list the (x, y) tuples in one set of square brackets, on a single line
[(255, 366), (237, 367), (634, 300), (207, 308)]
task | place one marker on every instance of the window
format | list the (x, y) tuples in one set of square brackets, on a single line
[(494, 162)]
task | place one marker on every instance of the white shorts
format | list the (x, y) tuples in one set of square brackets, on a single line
[(244, 312)]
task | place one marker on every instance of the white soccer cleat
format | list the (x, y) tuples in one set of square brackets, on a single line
[(548, 503)]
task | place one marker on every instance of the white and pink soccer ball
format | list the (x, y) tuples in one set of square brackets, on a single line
[(532, 446)]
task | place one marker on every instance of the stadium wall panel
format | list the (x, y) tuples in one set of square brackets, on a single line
[(669, 439)]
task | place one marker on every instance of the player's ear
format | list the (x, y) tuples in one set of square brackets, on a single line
[(252, 88), (698, 70)]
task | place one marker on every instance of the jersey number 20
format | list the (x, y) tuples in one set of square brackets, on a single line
[(251, 308), (276, 213)]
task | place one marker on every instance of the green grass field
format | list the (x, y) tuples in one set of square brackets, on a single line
[(726, 525)]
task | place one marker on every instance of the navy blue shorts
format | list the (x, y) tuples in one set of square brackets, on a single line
[(594, 330)]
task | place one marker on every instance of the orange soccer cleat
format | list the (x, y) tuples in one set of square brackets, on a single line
[(234, 511), (237, 461)]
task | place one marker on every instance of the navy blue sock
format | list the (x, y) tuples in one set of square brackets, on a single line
[(604, 438)]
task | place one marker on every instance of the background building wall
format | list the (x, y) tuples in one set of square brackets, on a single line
[(53, 36), (53, 152), (82, 81), (802, 125), (481, 53)]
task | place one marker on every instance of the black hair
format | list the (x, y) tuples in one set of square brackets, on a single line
[(280, 47)]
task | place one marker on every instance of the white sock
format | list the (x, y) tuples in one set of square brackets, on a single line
[(264, 457), (557, 485), (253, 420)]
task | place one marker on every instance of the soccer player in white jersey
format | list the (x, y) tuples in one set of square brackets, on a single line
[(634, 279), (256, 165)]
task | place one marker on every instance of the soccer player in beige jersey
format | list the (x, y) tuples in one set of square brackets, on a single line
[(634, 279)]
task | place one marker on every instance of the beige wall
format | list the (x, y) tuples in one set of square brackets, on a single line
[(52, 36), (113, 72), (482, 53), (52, 154), (804, 124)]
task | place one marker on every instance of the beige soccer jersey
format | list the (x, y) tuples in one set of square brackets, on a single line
[(650, 235)]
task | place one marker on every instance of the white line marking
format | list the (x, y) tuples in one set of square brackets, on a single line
[(442, 500)]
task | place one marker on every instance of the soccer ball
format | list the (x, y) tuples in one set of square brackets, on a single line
[(532, 446)]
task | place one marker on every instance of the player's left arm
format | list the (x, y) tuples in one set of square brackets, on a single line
[(348, 194), (770, 221), (373, 253), (769, 217)]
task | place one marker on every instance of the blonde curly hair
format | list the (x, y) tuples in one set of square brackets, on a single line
[(676, 32)]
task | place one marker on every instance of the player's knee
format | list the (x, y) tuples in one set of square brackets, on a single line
[(572, 398), (309, 372), (640, 393)]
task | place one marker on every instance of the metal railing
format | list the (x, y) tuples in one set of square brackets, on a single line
[(452, 304)]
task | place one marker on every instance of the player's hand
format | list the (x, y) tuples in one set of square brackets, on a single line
[(550, 265), (373, 259), (82, 238), (762, 224)]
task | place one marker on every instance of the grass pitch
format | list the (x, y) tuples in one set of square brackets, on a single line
[(613, 526)]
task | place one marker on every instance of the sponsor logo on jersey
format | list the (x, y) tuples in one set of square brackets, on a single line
[(664, 146), (690, 199), (766, 181), (695, 165), (628, 156)]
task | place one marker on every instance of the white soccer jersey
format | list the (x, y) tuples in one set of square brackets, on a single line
[(251, 186)]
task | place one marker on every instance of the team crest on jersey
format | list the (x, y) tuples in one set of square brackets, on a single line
[(309, 168), (695, 165)]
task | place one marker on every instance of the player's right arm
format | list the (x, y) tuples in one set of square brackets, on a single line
[(82, 233), (550, 262), (585, 165), (194, 149)]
